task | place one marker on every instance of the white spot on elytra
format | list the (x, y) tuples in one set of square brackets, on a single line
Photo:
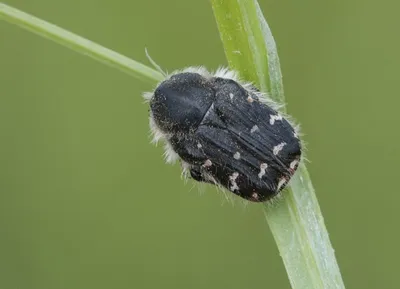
[(273, 118), (232, 179), (263, 167), (281, 182), (250, 99), (207, 163), (278, 148), (254, 128), (199, 145), (231, 95), (254, 196), (237, 155)]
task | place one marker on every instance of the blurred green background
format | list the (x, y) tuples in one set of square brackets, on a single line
[(87, 202)]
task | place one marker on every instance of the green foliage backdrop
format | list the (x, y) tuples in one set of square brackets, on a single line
[(86, 201)]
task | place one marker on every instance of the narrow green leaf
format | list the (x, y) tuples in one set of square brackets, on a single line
[(242, 37), (79, 44), (295, 219)]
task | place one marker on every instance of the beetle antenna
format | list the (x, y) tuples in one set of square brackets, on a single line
[(156, 66)]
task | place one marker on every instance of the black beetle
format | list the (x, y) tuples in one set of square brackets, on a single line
[(225, 132)]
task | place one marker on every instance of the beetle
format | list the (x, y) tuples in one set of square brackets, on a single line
[(225, 132)]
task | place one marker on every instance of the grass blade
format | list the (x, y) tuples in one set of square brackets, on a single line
[(79, 44), (295, 220)]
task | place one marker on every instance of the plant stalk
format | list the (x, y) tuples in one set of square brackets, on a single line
[(79, 44), (295, 219)]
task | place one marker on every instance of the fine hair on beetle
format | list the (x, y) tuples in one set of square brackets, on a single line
[(225, 132)]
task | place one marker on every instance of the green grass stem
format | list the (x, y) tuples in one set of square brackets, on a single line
[(79, 44), (295, 220)]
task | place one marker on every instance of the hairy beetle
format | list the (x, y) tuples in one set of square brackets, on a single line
[(225, 132)]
